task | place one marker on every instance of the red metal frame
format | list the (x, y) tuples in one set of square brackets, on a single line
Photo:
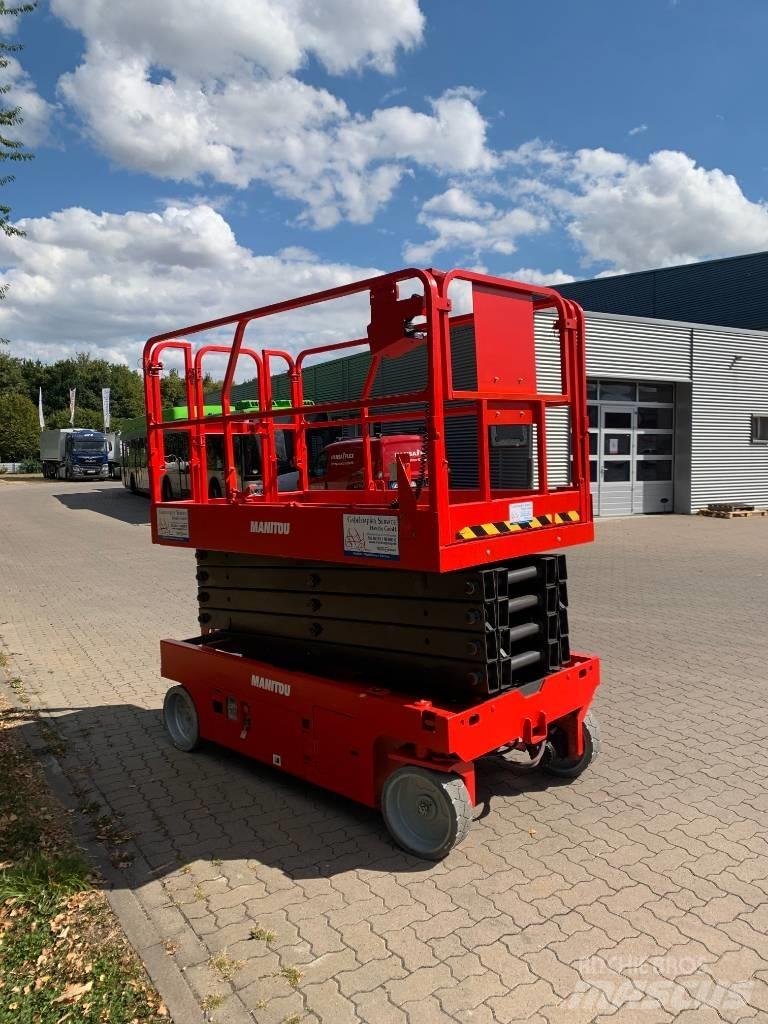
[(310, 523), (349, 737)]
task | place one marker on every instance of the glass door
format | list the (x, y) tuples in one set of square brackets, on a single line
[(616, 459)]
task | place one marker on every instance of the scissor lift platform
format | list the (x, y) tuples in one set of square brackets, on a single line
[(410, 751), (423, 523)]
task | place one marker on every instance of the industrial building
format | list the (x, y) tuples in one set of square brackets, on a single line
[(678, 409)]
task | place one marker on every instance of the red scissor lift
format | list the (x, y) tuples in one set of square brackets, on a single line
[(411, 753)]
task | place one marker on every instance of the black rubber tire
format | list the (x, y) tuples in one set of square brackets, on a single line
[(570, 768), (180, 719), (214, 489), (438, 801), (165, 491)]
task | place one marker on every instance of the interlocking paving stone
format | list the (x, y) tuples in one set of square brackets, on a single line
[(638, 893)]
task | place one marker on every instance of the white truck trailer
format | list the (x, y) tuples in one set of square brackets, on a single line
[(114, 455)]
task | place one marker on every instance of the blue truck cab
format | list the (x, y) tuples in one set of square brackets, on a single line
[(75, 454)]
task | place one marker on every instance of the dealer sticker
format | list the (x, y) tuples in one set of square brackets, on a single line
[(173, 523), (372, 536), (521, 512)]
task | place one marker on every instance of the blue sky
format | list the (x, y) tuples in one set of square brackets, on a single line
[(193, 158)]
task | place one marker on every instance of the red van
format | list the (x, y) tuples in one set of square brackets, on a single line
[(339, 466)]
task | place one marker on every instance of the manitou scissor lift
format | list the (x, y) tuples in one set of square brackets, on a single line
[(378, 641)]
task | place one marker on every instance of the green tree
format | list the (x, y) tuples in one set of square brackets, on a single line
[(127, 392), (19, 429), (11, 375), (10, 118), (173, 388), (84, 417)]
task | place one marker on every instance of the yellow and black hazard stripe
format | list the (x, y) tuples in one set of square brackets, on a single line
[(504, 527)]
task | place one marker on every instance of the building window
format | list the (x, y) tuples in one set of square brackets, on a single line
[(618, 391), (662, 394), (760, 430)]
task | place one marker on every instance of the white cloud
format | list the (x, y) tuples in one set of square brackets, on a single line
[(35, 111), (184, 96), (618, 211), (638, 129), (459, 221), (192, 38), (105, 282), (456, 202), (531, 275), (667, 210)]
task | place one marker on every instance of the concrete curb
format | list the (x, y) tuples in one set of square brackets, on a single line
[(139, 929)]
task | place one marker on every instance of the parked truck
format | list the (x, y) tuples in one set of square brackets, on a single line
[(73, 454)]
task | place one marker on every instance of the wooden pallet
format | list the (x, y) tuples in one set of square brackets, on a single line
[(734, 513)]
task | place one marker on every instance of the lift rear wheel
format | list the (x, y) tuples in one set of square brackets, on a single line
[(426, 812), (555, 760), (180, 719)]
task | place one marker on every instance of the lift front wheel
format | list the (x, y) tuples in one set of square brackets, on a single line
[(426, 812), (180, 719), (556, 761)]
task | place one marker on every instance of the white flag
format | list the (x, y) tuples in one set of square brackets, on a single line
[(40, 409), (105, 407), (72, 406)]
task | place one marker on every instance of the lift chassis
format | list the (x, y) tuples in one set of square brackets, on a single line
[(363, 742)]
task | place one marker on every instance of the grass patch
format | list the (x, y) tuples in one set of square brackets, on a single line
[(212, 1001), (225, 965), (292, 975), (63, 956), (263, 934)]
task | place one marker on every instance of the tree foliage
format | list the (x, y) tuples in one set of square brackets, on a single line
[(19, 429), (11, 149), (88, 376)]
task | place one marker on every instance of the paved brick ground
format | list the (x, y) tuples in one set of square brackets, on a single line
[(638, 893)]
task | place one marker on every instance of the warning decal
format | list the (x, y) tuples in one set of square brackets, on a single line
[(173, 523), (372, 536)]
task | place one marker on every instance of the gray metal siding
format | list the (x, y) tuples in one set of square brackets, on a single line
[(637, 350), (682, 449), (725, 465), (616, 347)]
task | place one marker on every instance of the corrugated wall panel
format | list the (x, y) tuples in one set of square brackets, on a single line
[(549, 380), (727, 392), (728, 292), (616, 347), (638, 350)]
